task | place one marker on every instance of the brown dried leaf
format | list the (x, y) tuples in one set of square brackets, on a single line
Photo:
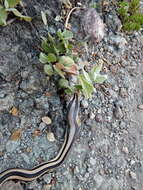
[(60, 66), (71, 70), (36, 133), (16, 135), (14, 111)]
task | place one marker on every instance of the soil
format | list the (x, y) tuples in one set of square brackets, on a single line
[(108, 151)]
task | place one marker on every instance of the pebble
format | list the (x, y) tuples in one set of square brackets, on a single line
[(99, 118), (42, 126), (118, 41), (32, 185), (132, 162), (46, 120), (125, 149), (132, 175), (47, 178), (93, 161), (92, 115), (118, 113), (101, 171), (123, 92), (140, 106), (84, 103), (51, 137), (113, 68)]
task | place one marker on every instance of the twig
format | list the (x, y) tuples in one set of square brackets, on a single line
[(69, 15)]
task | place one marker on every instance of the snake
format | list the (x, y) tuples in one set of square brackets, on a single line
[(45, 167)]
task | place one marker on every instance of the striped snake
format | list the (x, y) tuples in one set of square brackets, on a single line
[(39, 170)]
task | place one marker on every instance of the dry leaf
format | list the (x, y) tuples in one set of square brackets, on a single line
[(28, 149), (46, 120), (51, 137), (71, 70), (36, 133), (14, 111), (16, 135), (49, 94), (60, 66)]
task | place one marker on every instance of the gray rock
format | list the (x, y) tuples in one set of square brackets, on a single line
[(6, 96), (47, 178), (33, 81), (118, 113), (123, 92), (113, 22), (93, 161), (93, 25), (133, 175), (92, 115)]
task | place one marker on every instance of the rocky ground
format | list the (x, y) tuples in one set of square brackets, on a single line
[(108, 153)]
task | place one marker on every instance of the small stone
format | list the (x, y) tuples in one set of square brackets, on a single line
[(140, 106), (98, 118), (93, 161), (42, 126), (47, 178), (101, 171), (51, 137), (125, 149), (133, 175), (123, 92), (93, 25), (118, 41), (46, 120), (132, 162), (113, 68), (118, 112), (92, 115), (33, 185), (84, 104)]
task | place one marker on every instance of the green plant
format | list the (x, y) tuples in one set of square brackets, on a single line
[(8, 6), (59, 59), (130, 14)]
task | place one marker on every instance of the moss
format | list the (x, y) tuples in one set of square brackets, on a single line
[(132, 18)]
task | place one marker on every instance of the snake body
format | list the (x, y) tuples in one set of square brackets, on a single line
[(31, 174)]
